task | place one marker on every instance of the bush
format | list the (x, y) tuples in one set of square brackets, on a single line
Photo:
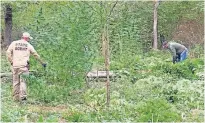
[(42, 91), (186, 69), (157, 110)]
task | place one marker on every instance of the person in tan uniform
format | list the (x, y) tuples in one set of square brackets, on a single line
[(18, 54)]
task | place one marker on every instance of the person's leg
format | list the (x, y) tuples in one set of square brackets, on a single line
[(16, 84), (23, 73), (178, 57)]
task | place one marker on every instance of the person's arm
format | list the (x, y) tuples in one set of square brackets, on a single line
[(9, 53), (174, 55), (35, 54)]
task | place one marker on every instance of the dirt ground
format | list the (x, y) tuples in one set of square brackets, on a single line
[(189, 32)]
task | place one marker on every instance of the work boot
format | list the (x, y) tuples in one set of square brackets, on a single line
[(23, 101)]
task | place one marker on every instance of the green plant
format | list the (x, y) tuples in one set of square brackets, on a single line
[(186, 69), (68, 36), (158, 110)]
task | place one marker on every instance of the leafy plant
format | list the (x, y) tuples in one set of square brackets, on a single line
[(157, 110), (186, 69)]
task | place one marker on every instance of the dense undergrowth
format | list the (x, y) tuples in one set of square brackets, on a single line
[(68, 36), (150, 90)]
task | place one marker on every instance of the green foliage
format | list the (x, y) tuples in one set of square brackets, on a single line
[(197, 51), (5, 65), (76, 117), (146, 101), (158, 110), (65, 43), (95, 97), (129, 28), (185, 92), (10, 110), (186, 69), (46, 92), (137, 67), (171, 12), (40, 119), (67, 35)]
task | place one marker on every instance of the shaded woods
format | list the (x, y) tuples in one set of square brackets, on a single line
[(78, 37)]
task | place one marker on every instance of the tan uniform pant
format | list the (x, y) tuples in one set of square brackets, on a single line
[(19, 83)]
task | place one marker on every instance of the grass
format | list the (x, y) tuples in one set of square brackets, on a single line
[(5, 66)]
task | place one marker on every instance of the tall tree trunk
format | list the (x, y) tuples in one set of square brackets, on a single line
[(105, 50), (156, 3), (103, 42), (8, 25), (107, 65)]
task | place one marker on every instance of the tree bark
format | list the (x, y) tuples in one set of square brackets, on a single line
[(8, 25), (107, 65), (156, 3), (105, 49)]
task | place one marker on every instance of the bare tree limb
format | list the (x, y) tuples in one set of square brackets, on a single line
[(112, 10)]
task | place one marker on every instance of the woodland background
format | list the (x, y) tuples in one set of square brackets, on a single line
[(70, 37)]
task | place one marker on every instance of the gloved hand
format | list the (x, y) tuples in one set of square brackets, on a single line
[(44, 65), (174, 59)]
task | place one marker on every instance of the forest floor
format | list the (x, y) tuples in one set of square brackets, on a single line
[(123, 93)]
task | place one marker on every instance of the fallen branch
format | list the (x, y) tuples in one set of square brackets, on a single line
[(9, 74), (6, 75)]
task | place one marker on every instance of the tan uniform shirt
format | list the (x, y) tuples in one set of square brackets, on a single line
[(19, 52)]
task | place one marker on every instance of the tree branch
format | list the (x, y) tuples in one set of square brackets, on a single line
[(112, 10)]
